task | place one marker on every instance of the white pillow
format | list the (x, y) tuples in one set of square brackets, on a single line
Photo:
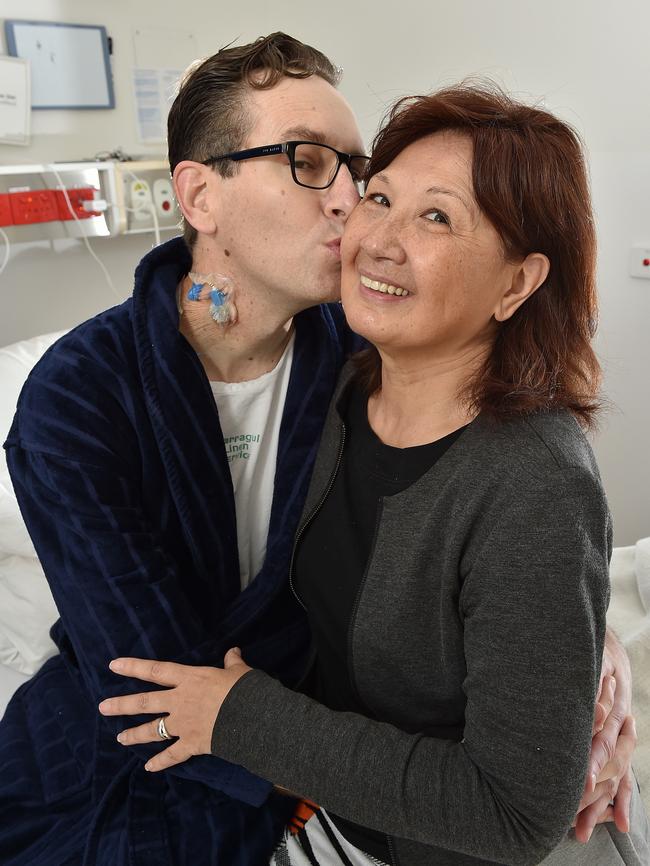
[(642, 568), (27, 609), (626, 613), (27, 613)]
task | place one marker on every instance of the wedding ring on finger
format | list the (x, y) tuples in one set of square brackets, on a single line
[(163, 733)]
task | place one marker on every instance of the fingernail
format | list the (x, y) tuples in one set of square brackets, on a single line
[(589, 834), (120, 738), (594, 779), (102, 707), (116, 665)]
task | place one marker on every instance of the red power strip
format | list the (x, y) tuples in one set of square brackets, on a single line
[(6, 218), (45, 205), (35, 206), (77, 197)]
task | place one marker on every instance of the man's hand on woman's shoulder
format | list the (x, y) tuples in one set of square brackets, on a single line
[(608, 789)]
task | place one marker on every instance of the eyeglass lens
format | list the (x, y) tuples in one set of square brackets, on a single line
[(315, 165)]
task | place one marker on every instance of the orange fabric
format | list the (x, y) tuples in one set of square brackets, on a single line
[(304, 811)]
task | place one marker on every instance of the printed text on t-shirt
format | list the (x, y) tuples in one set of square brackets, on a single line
[(239, 447)]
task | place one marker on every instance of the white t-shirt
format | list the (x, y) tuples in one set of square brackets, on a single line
[(250, 414)]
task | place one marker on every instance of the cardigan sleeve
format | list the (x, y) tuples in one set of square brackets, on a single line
[(534, 608), (118, 590)]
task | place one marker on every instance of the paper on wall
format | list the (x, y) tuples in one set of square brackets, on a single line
[(154, 91), (15, 100)]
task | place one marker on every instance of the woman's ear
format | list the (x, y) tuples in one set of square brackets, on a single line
[(193, 185), (527, 278)]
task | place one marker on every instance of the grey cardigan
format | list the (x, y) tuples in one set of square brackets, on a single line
[(476, 639)]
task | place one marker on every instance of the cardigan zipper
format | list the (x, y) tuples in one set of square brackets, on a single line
[(313, 514), (393, 857)]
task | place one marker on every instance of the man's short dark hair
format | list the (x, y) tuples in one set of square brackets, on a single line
[(209, 115)]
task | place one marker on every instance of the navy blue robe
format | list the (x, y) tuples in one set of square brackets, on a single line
[(119, 467)]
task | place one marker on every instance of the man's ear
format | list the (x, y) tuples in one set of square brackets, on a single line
[(527, 278), (194, 188)]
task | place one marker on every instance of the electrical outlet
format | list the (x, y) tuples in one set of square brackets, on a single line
[(639, 262), (77, 197), (163, 197), (142, 204), (34, 206), (6, 218), (141, 200)]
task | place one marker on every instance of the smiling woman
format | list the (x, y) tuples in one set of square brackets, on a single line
[(518, 173), (453, 552), (424, 270)]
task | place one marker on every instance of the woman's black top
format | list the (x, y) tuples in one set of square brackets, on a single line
[(333, 555)]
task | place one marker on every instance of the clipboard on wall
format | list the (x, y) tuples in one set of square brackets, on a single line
[(70, 65)]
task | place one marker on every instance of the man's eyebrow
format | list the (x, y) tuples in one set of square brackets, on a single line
[(304, 133)]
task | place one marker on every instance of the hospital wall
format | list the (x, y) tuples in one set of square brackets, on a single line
[(587, 60)]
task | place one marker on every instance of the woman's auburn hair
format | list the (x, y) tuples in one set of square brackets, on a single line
[(530, 181)]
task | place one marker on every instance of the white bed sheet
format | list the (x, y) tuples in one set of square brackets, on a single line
[(10, 679)]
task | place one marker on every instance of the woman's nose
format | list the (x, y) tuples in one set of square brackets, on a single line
[(384, 241)]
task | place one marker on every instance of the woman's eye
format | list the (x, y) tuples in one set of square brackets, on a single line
[(377, 197), (437, 216)]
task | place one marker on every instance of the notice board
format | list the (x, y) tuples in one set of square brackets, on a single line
[(70, 66)]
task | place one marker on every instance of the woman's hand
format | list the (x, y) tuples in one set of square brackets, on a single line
[(190, 704)]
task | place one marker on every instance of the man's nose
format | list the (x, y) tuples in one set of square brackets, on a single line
[(342, 196)]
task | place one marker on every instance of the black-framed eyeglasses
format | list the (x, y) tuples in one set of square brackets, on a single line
[(312, 165)]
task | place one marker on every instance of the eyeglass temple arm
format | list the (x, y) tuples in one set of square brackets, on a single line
[(267, 150)]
